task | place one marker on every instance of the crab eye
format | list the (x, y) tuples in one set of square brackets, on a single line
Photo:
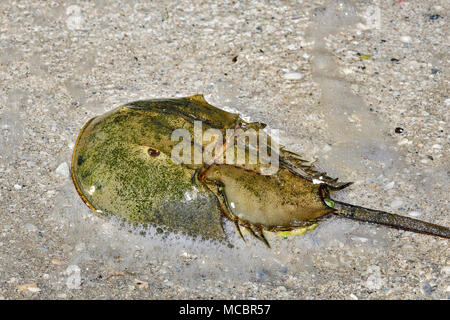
[(153, 152)]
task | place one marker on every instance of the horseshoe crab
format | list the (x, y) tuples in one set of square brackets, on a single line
[(123, 165)]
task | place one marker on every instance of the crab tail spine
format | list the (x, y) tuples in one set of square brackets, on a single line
[(388, 219)]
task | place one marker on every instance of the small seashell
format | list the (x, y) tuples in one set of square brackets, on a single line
[(293, 76)]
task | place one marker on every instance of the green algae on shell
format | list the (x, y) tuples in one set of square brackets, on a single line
[(122, 166), (114, 174)]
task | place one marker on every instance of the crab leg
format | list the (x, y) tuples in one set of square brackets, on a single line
[(238, 228), (263, 237)]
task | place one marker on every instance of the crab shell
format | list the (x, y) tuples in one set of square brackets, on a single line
[(122, 166)]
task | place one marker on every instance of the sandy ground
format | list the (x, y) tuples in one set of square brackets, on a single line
[(360, 87)]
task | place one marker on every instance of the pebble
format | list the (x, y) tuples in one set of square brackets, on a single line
[(434, 16), (405, 39), (446, 270), (30, 287), (346, 71), (186, 256), (426, 289), (436, 146), (414, 213), (374, 281), (435, 71), (74, 277), (63, 170), (389, 186), (75, 19), (447, 102), (404, 141), (354, 297), (17, 187), (57, 262), (293, 76), (396, 203)]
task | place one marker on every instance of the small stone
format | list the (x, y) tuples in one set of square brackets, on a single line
[(434, 70), (414, 214), (186, 256), (293, 76), (396, 203), (389, 186), (292, 47), (447, 102), (405, 39), (374, 281), (74, 277), (446, 270), (75, 19), (57, 262), (30, 287), (17, 187), (346, 71), (63, 170), (434, 16), (427, 289), (12, 280), (354, 297)]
